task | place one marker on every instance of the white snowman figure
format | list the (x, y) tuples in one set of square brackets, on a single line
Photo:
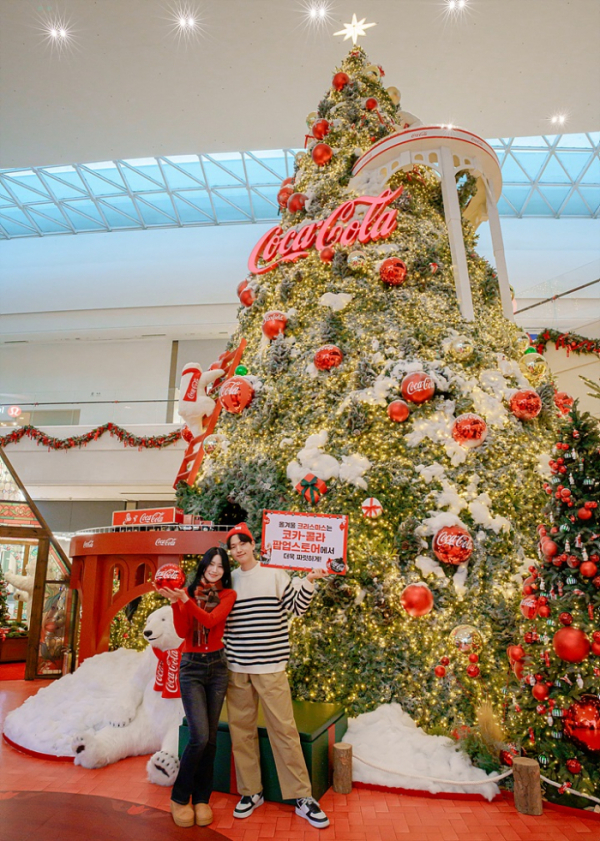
[(194, 403)]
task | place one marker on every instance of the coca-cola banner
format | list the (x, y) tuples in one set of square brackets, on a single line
[(305, 541), (147, 517)]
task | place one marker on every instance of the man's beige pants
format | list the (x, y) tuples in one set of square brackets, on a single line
[(273, 690)]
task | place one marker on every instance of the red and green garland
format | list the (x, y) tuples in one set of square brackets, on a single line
[(152, 442), (568, 341)]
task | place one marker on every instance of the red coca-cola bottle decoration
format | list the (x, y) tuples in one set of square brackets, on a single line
[(169, 577), (417, 387), (453, 545)]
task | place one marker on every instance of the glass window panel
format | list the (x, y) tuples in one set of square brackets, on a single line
[(116, 219), (574, 141), (536, 206), (99, 187), (176, 179), (137, 180), (20, 188), (573, 162), (576, 206), (156, 210), (594, 137), (531, 162), (217, 177), (74, 186), (259, 174), (52, 225), (555, 195), (85, 206), (193, 168), (16, 227), (264, 209), (592, 173), (524, 142), (191, 215), (83, 223), (591, 196), (5, 201), (511, 171), (227, 213), (504, 209), (554, 173), (201, 200), (517, 196)]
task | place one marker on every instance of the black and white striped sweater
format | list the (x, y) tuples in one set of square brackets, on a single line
[(256, 635)]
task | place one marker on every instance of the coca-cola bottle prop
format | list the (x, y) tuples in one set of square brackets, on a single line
[(404, 345), (555, 706)]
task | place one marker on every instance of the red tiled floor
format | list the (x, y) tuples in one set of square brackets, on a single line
[(363, 815)]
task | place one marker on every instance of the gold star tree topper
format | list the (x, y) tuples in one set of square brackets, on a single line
[(354, 29)]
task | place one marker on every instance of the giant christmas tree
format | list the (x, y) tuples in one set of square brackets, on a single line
[(364, 391)]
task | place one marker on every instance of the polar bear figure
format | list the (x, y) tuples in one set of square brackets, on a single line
[(22, 584), (194, 403), (142, 721), (108, 709)]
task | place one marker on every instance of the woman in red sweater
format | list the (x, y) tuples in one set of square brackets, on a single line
[(199, 614)]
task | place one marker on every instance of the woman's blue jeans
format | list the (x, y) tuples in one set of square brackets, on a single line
[(203, 681)]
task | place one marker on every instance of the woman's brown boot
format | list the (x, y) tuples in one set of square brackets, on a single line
[(204, 814), (182, 815)]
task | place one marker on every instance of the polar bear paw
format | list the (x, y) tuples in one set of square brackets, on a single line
[(122, 716), (162, 768), (84, 748)]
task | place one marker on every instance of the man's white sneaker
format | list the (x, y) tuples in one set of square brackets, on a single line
[(308, 807), (248, 804)]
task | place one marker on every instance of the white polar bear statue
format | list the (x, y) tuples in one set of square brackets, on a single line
[(108, 709), (194, 403), (22, 585)]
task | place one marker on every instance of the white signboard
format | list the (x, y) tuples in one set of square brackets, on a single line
[(305, 541)]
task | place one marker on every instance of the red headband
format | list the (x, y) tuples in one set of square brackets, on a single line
[(241, 528)]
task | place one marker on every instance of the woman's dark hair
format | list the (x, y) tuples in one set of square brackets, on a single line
[(244, 538), (203, 565)]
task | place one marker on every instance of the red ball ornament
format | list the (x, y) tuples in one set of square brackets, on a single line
[(327, 254), (543, 611), (274, 323), (289, 180), (445, 661), (417, 387), (169, 577), (571, 645), (340, 80), (246, 294), (296, 202), (321, 129), (187, 434), (283, 195), (473, 671), (563, 402), (573, 766), (469, 430), (453, 545), (588, 569), (549, 547), (235, 395), (596, 636), (393, 271), (515, 653), (398, 411), (371, 104), (526, 405), (565, 619), (417, 599), (596, 649), (439, 671), (540, 691), (584, 514), (529, 607), (473, 658), (322, 153), (328, 357), (582, 723), (596, 582)]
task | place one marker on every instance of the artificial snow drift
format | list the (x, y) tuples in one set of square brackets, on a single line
[(390, 739)]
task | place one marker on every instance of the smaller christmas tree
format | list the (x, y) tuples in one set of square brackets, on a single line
[(4, 614), (557, 659)]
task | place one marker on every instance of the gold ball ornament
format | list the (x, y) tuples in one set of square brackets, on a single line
[(535, 367), (460, 349), (211, 443), (311, 118), (300, 157), (356, 260), (466, 639), (394, 95), (521, 343), (372, 72)]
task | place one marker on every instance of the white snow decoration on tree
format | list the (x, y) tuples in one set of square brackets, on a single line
[(431, 525), (389, 738), (337, 301), (312, 370), (480, 511), (428, 473), (255, 382), (374, 395), (312, 459), (430, 567), (510, 368), (449, 498), (459, 579), (543, 466), (353, 469)]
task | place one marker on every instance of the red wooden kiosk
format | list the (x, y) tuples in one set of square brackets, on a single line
[(130, 558)]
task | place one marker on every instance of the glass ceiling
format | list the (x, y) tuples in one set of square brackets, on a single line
[(551, 176)]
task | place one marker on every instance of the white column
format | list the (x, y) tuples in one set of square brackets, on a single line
[(498, 246), (455, 234)]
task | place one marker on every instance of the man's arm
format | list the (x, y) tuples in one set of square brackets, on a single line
[(297, 600)]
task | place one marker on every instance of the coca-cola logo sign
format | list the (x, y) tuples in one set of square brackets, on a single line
[(88, 544), (165, 541), (192, 388), (417, 387), (378, 222), (453, 545), (158, 517)]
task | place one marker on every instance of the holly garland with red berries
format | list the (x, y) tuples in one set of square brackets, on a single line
[(128, 439), (556, 710), (571, 342)]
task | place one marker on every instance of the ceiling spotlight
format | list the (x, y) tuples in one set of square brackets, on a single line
[(185, 22), (558, 120), (316, 12), (57, 33), (453, 7)]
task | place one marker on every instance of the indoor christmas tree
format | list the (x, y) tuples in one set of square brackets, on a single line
[(364, 391), (4, 615), (556, 713)]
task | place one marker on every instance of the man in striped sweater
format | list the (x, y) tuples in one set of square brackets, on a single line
[(257, 646)]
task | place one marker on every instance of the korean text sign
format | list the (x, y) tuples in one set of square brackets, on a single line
[(305, 541)]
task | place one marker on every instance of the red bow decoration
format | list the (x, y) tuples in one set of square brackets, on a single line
[(167, 672)]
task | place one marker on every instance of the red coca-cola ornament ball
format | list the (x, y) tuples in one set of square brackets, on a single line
[(328, 357), (453, 545), (296, 202), (393, 271), (573, 766), (526, 404), (417, 387), (322, 153), (236, 394), (246, 294), (582, 723), (469, 430), (571, 645), (321, 129), (398, 411), (283, 195), (169, 577), (529, 607), (340, 80), (417, 599), (274, 323)]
